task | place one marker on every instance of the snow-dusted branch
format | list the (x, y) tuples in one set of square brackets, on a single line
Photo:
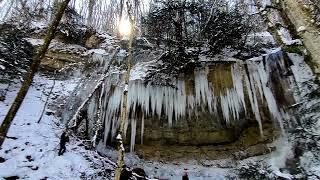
[(45, 104)]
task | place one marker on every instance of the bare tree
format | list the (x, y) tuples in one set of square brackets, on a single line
[(90, 12), (124, 115)]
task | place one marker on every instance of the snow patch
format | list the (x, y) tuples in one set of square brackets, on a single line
[(39, 24), (97, 51), (278, 158), (286, 37), (35, 42), (301, 29), (261, 37)]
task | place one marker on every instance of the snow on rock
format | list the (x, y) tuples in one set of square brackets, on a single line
[(5, 9), (33, 153), (274, 18), (35, 42), (286, 37), (39, 24), (279, 157), (265, 3), (109, 43), (62, 47), (301, 71), (302, 74), (309, 162), (99, 55), (251, 6), (301, 29), (140, 70), (67, 48), (261, 37), (123, 53), (97, 51)]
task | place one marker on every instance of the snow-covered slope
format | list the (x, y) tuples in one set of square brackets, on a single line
[(31, 149)]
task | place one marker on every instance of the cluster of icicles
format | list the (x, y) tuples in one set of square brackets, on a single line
[(175, 103)]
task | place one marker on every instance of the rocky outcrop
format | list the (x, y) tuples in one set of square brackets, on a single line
[(93, 42), (300, 18), (248, 143), (313, 8), (61, 55)]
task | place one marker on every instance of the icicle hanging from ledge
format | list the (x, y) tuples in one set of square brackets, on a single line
[(217, 93)]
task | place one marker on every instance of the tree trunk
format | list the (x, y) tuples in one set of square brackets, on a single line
[(120, 15), (90, 12), (179, 29), (124, 115), (33, 69)]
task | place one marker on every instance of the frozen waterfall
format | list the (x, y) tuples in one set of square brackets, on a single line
[(230, 90)]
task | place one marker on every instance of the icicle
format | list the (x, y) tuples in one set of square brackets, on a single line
[(203, 92), (237, 83), (225, 109), (92, 109), (271, 101), (252, 96), (142, 128), (256, 78), (133, 134), (175, 103)]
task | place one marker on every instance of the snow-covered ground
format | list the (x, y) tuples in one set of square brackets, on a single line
[(32, 150)]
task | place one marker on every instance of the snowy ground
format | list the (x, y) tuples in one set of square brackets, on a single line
[(34, 154)]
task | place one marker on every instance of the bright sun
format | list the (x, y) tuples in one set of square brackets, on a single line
[(124, 27)]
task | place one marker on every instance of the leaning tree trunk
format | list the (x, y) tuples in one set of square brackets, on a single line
[(33, 69)]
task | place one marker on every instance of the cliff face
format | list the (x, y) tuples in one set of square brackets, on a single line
[(295, 25), (234, 104), (306, 20)]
